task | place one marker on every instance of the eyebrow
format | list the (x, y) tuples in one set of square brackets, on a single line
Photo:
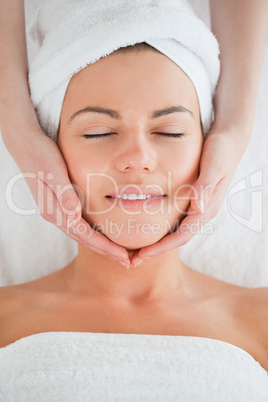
[(115, 115)]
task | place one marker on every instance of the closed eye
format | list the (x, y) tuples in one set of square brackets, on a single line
[(97, 135), (173, 135)]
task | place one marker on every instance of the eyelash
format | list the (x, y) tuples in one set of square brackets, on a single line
[(173, 135)]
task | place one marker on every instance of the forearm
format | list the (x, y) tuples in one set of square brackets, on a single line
[(241, 29), (16, 110)]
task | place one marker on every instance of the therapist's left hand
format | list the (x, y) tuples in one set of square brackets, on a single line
[(221, 154)]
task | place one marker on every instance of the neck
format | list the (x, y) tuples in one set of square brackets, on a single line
[(93, 274)]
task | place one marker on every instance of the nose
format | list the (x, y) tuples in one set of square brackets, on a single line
[(136, 154)]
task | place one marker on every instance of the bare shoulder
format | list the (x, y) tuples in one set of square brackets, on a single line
[(29, 296), (10, 300), (7, 294), (257, 305), (9, 309), (15, 299), (254, 319), (17, 304), (248, 309)]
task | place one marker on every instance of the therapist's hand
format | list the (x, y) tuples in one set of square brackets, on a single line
[(221, 154), (45, 171), (35, 153), (241, 30)]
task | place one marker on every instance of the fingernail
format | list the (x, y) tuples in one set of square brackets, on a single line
[(71, 214), (71, 219), (126, 265), (138, 263), (209, 190), (207, 195), (71, 222), (141, 260), (201, 205)]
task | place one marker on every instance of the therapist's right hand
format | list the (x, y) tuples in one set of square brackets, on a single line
[(45, 171)]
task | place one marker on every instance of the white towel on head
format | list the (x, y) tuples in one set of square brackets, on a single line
[(73, 34)]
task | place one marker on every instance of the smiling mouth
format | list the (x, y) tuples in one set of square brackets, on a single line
[(136, 197)]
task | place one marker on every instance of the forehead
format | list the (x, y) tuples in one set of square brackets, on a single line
[(136, 80)]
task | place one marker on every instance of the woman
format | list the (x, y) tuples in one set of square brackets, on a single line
[(161, 296), (241, 31), (131, 130)]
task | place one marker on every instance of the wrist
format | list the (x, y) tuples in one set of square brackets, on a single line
[(235, 127), (233, 113), (20, 131), (237, 134), (235, 124), (17, 116)]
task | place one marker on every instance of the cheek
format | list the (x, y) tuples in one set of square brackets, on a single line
[(77, 162), (184, 164), (81, 162), (89, 176), (77, 168), (184, 174)]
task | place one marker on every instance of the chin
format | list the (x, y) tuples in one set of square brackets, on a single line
[(135, 236), (134, 242)]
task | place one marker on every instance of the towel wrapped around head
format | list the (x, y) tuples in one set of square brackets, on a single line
[(72, 34)]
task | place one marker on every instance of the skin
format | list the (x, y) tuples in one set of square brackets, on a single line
[(240, 27), (130, 84), (162, 295), (134, 154)]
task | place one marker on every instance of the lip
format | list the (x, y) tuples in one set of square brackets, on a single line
[(136, 205), (135, 189)]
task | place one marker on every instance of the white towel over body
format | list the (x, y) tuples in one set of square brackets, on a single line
[(82, 366)]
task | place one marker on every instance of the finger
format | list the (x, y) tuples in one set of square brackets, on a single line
[(82, 232), (168, 243), (204, 187), (215, 165), (190, 226), (89, 237), (69, 203), (213, 191), (67, 197)]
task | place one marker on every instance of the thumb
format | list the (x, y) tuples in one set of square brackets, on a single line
[(203, 189), (68, 199)]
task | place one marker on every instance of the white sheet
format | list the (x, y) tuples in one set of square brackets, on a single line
[(235, 250), (97, 367)]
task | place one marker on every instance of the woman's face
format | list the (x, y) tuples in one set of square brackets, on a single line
[(149, 112)]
